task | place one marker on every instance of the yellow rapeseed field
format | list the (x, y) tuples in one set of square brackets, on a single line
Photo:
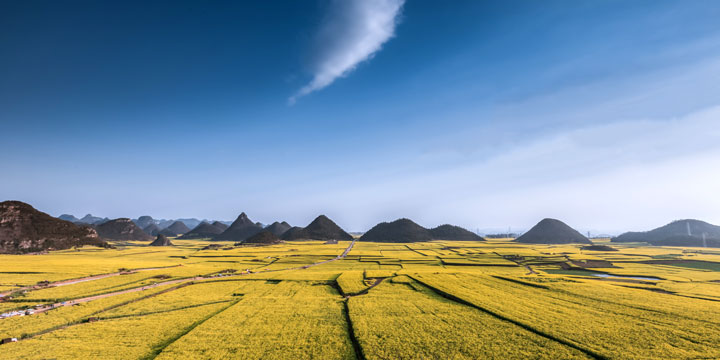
[(440, 299)]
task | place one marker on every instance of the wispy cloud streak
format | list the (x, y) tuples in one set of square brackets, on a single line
[(353, 31)]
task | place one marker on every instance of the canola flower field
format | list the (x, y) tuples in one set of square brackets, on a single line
[(300, 300)]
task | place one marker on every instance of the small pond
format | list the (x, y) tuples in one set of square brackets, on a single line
[(626, 277)]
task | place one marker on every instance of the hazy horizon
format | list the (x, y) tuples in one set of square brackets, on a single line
[(486, 115)]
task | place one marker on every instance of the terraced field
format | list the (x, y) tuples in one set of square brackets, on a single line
[(303, 300)]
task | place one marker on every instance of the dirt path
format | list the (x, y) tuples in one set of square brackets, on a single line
[(186, 331), (341, 256), (169, 282), (365, 291), (531, 271), (79, 280), (102, 296)]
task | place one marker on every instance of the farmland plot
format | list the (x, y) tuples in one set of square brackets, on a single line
[(397, 321), (605, 328), (287, 320)]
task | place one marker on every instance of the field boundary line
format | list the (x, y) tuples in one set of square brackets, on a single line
[(520, 282), (363, 291), (163, 311), (640, 307), (359, 354), (459, 300), (416, 251), (163, 345), (181, 285), (82, 279), (84, 319)]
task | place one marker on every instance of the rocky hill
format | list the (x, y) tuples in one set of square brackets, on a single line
[(152, 229), (264, 237), (122, 229), (191, 222), (68, 217), (294, 232), (241, 229), (23, 229), (220, 225), (144, 221), (688, 232), (452, 232), (278, 228), (178, 227), (322, 228), (407, 231), (167, 232), (398, 231), (552, 231), (92, 220), (161, 240), (202, 231)]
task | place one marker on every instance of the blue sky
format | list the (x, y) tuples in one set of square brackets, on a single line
[(486, 114)]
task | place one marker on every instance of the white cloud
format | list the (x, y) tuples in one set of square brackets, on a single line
[(629, 175), (352, 32)]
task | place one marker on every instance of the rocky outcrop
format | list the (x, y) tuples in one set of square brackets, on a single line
[(161, 240), (152, 229), (23, 229), (144, 221), (322, 228), (263, 238), (241, 229), (92, 220), (122, 229), (202, 231), (278, 228), (452, 232), (178, 227), (552, 231), (398, 231)]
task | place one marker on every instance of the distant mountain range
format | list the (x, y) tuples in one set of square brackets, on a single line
[(143, 221), (687, 232), (87, 219), (190, 223)]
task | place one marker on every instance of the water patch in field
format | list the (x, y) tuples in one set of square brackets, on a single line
[(626, 277)]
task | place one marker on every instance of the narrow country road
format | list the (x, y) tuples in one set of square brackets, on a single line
[(169, 282), (79, 280)]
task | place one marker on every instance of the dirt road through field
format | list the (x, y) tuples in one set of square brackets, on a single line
[(79, 280), (169, 282)]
